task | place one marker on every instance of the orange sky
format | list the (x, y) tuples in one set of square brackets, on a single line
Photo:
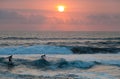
[(71, 5), (79, 15)]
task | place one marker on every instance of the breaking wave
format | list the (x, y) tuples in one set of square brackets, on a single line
[(37, 49), (46, 49), (93, 50), (60, 63)]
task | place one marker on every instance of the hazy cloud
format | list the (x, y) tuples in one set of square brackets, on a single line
[(12, 17), (17, 17), (105, 19)]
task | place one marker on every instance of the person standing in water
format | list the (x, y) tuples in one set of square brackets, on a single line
[(10, 62), (10, 58)]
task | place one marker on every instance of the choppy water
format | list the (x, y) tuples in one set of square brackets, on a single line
[(61, 62), (78, 42), (87, 66)]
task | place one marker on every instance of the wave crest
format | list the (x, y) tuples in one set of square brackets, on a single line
[(57, 64)]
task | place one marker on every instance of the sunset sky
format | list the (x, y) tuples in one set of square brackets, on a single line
[(43, 15)]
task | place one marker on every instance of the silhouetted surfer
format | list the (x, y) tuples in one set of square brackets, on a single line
[(43, 56), (43, 60), (10, 58), (10, 63)]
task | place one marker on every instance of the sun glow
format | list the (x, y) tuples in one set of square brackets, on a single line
[(61, 8)]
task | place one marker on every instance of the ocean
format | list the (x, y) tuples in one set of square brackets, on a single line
[(76, 42), (69, 55)]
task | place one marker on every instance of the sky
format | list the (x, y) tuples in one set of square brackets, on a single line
[(42, 15)]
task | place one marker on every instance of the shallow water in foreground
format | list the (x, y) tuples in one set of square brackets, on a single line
[(88, 66)]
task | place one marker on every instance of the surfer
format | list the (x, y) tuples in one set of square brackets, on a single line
[(43, 60), (10, 58), (43, 56), (10, 63)]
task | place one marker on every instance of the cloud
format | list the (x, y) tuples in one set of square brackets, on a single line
[(12, 17), (9, 17), (104, 19), (40, 18)]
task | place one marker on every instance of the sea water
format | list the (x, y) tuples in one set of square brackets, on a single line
[(76, 42), (96, 39), (69, 55)]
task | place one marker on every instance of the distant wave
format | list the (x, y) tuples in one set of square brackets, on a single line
[(17, 38), (93, 50), (46, 49), (59, 43), (36, 49), (34, 38)]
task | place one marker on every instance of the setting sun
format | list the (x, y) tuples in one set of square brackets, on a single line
[(61, 8)]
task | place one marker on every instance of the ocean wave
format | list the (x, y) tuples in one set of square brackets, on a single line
[(37, 49), (18, 38), (63, 43), (81, 75), (93, 50), (60, 63), (37, 38), (46, 49)]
